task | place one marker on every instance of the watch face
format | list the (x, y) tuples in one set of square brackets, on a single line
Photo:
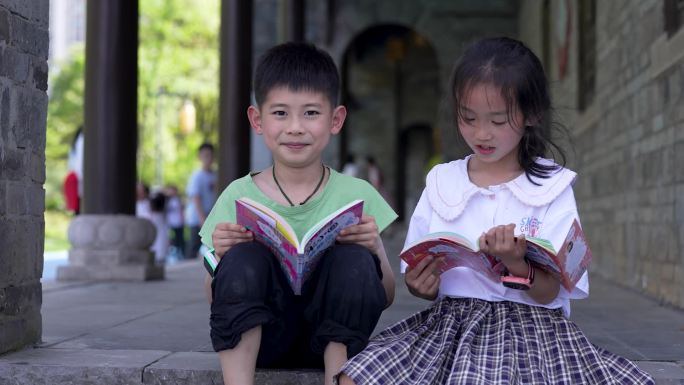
[(516, 283)]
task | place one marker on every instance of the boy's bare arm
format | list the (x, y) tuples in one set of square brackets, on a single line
[(387, 273)]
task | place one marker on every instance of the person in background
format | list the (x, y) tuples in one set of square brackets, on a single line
[(374, 173), (350, 168), (73, 181), (174, 219), (201, 192), (160, 247), (71, 199), (142, 201)]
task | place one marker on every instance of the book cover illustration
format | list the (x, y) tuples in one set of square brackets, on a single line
[(297, 258)]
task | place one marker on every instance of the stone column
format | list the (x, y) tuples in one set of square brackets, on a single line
[(23, 110), (108, 241), (296, 22), (235, 87)]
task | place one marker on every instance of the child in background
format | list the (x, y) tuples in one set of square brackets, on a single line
[(142, 200), (160, 247), (478, 331), (201, 192), (174, 219), (256, 320)]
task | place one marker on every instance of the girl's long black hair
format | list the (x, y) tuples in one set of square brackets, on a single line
[(513, 68)]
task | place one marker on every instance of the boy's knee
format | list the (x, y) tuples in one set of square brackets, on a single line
[(243, 272), (354, 276), (350, 260)]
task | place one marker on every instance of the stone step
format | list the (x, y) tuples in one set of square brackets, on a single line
[(49, 366), (46, 366)]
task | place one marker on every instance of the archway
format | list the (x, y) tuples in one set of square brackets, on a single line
[(390, 80)]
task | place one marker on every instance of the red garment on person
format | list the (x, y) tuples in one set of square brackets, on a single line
[(71, 192)]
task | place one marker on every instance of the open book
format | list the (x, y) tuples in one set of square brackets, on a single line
[(567, 265), (298, 258)]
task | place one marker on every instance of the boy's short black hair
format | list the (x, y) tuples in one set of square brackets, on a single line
[(299, 67)]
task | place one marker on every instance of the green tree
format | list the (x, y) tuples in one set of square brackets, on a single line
[(65, 115), (179, 56), (178, 53)]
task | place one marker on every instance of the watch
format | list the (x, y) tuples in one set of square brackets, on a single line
[(519, 283)]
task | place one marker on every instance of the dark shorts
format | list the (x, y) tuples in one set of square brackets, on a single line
[(340, 302)]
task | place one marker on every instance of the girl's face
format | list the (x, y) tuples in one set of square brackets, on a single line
[(490, 129)]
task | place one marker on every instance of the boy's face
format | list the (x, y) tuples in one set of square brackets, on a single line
[(296, 126)]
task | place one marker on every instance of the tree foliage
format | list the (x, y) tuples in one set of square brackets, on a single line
[(178, 59)]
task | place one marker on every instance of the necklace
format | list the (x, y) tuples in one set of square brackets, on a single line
[(307, 198)]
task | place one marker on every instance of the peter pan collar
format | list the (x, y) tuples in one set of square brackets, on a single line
[(449, 188)]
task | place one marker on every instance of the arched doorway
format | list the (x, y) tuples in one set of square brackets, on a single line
[(390, 81)]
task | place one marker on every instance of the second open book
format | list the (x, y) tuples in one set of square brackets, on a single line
[(298, 258), (567, 264)]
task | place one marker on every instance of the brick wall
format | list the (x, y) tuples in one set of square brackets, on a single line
[(629, 145), (23, 110)]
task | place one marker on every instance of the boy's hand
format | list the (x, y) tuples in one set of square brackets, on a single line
[(227, 235), (365, 233), (500, 242), (423, 280)]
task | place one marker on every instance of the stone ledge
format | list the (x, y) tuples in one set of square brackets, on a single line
[(76, 366), (156, 367), (51, 366), (204, 368)]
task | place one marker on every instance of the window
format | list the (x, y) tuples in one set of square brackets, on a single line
[(587, 52), (674, 13)]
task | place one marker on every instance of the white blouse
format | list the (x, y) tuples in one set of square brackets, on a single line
[(451, 202)]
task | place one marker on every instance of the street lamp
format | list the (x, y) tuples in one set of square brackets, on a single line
[(187, 117)]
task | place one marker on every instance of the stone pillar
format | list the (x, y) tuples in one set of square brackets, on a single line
[(235, 87), (295, 18), (23, 110), (108, 241)]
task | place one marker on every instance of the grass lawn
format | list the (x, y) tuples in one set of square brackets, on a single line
[(56, 226)]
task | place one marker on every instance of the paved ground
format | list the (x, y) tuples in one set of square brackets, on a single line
[(157, 332)]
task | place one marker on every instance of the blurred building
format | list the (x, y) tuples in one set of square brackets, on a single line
[(67, 29)]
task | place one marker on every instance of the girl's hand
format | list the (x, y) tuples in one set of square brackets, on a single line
[(227, 235), (365, 233), (423, 280), (500, 242)]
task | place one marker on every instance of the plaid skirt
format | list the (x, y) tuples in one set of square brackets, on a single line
[(471, 341)]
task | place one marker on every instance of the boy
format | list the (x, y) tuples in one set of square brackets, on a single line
[(201, 192), (256, 320)]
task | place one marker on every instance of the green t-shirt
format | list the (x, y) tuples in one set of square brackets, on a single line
[(340, 190)]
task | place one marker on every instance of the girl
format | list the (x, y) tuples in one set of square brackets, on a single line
[(479, 331)]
